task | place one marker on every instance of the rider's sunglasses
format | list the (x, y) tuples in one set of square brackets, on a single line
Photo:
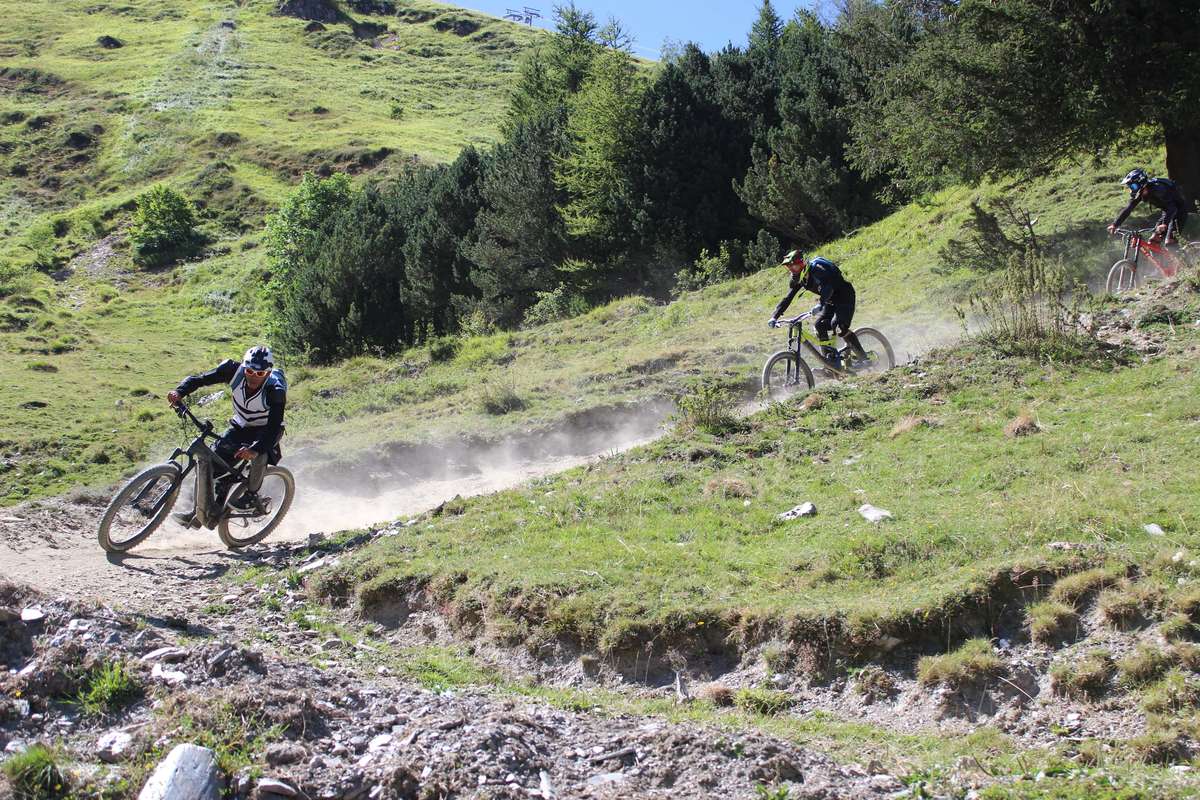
[(258, 373)]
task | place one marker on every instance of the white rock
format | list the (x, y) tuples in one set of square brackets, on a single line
[(269, 787), (379, 742), (171, 677), (1153, 530), (187, 773), (170, 655), (872, 514), (32, 614), (546, 786), (605, 778), (15, 746), (802, 510), (114, 746)]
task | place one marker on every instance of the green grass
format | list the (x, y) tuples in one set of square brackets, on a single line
[(108, 688), (639, 546), (36, 774), (974, 662)]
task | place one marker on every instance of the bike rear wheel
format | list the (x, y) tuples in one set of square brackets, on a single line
[(880, 357), (785, 375), (239, 529), (1123, 277), (139, 508)]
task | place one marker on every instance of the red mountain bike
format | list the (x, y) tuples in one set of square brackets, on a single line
[(1126, 275)]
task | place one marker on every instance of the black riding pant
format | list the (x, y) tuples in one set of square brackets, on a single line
[(234, 439), (835, 316)]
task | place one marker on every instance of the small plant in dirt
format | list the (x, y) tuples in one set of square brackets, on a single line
[(1174, 692), (1162, 743), (164, 227), (1187, 603), (728, 488), (1086, 679), (1186, 655), (499, 397), (1179, 628), (974, 662), (1051, 622), (36, 775), (716, 693), (874, 683), (1142, 666), (110, 686), (706, 406), (443, 348), (1071, 590), (767, 702), (1129, 605), (762, 792)]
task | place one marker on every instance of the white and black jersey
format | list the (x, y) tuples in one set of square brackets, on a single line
[(262, 409)]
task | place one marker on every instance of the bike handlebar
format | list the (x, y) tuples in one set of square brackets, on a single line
[(1136, 232), (182, 410)]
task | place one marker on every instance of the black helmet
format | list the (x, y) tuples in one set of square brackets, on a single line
[(1135, 180), (258, 357)]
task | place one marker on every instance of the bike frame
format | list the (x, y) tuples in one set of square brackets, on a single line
[(210, 509), (798, 336), (1137, 245)]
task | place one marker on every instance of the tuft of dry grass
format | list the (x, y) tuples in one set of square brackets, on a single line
[(1144, 665), (716, 693), (911, 423), (1051, 622), (1129, 605), (767, 702), (728, 487), (975, 661), (1086, 679), (1023, 425), (1176, 691), (1178, 628), (873, 683), (1188, 604), (812, 402), (1073, 589)]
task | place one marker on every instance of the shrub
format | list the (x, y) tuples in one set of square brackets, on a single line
[(710, 268), (35, 775), (707, 406), (1072, 589), (444, 348), (561, 303), (164, 227), (1143, 665), (971, 663), (499, 397)]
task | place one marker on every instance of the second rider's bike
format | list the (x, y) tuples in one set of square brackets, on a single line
[(786, 372), (1128, 273), (144, 503)]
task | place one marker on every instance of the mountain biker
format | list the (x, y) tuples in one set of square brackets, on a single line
[(1161, 193), (259, 392), (836, 310)]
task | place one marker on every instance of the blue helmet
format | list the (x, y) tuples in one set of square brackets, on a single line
[(1135, 180), (259, 357)]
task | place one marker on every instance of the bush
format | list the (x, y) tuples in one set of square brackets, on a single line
[(973, 662), (444, 348), (164, 227), (35, 775), (706, 406), (561, 303), (710, 268), (499, 397), (109, 687)]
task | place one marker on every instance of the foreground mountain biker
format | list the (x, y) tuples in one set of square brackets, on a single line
[(1162, 193), (836, 311), (259, 393)]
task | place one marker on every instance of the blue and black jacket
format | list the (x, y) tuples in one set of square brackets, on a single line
[(1161, 193), (825, 280)]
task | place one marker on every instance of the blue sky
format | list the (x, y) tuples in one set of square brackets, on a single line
[(711, 25)]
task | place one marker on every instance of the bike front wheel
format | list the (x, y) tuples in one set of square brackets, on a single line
[(784, 375), (139, 508), (1123, 277), (239, 528), (880, 357)]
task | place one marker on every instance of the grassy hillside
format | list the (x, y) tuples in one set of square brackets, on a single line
[(230, 103)]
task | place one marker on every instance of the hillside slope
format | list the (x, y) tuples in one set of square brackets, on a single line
[(230, 103)]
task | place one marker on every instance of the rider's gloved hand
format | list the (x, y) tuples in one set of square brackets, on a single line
[(1160, 229), (1112, 230), (245, 454), (173, 397)]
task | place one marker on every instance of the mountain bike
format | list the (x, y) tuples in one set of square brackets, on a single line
[(1124, 274), (144, 502), (786, 371)]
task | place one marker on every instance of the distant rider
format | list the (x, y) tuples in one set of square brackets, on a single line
[(259, 393), (1161, 193), (823, 278)]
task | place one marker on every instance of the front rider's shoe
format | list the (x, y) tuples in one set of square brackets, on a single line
[(247, 502), (186, 518)]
